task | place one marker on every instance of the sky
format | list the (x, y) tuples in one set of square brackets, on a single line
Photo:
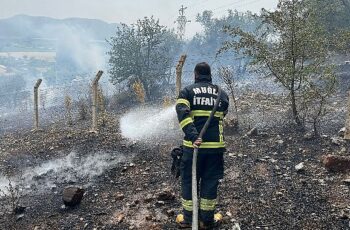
[(128, 11)]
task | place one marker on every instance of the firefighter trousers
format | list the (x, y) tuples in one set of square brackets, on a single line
[(210, 168)]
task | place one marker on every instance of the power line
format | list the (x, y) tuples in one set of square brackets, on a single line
[(238, 6), (235, 3), (232, 3)]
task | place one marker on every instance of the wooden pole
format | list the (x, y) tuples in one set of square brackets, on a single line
[(179, 68), (179, 73), (95, 101), (347, 123), (36, 104)]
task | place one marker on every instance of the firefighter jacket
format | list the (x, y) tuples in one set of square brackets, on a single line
[(193, 108)]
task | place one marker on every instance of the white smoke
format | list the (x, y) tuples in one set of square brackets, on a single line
[(149, 124), (70, 169), (81, 49)]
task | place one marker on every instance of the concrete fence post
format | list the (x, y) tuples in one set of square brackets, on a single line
[(347, 123), (36, 104), (179, 73), (95, 101)]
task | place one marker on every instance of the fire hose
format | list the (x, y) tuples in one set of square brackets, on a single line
[(194, 164)]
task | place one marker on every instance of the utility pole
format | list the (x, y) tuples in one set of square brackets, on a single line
[(181, 22)]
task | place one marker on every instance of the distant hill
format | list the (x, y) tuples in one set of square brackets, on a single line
[(33, 27)]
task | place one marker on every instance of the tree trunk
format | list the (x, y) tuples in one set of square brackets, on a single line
[(294, 107), (315, 127)]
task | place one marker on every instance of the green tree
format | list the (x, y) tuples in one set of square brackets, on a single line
[(289, 46), (207, 43), (334, 15), (143, 51)]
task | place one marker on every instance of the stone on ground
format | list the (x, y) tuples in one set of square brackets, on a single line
[(336, 163), (72, 195)]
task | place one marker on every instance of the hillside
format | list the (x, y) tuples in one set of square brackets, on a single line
[(33, 27)]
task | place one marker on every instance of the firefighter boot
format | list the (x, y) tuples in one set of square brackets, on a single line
[(182, 224), (217, 221)]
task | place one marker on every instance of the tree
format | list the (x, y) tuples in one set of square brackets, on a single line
[(207, 43), (314, 97), (334, 15), (289, 46), (143, 51), (227, 75)]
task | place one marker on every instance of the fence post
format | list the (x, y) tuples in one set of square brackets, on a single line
[(36, 104), (95, 101), (179, 73), (347, 123)]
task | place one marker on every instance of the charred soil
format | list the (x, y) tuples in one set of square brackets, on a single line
[(262, 188)]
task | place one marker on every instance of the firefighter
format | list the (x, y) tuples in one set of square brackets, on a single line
[(193, 107)]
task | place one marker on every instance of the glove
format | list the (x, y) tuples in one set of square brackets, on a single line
[(176, 154)]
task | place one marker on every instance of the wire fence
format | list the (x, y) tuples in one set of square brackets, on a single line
[(63, 103), (56, 103)]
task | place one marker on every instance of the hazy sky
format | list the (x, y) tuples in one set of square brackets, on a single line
[(128, 11)]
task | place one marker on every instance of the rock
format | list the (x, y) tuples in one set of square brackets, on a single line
[(278, 193), (342, 132), (335, 163), (308, 136), (120, 217), (19, 217), (236, 227), (72, 195), (170, 213), (165, 195), (299, 167), (160, 202), (337, 141), (253, 132), (119, 196), (345, 214), (347, 181), (280, 142), (149, 198), (272, 160), (53, 187), (19, 209)]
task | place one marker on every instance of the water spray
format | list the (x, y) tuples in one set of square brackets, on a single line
[(149, 124)]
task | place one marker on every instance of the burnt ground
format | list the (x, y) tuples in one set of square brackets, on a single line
[(261, 189)]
